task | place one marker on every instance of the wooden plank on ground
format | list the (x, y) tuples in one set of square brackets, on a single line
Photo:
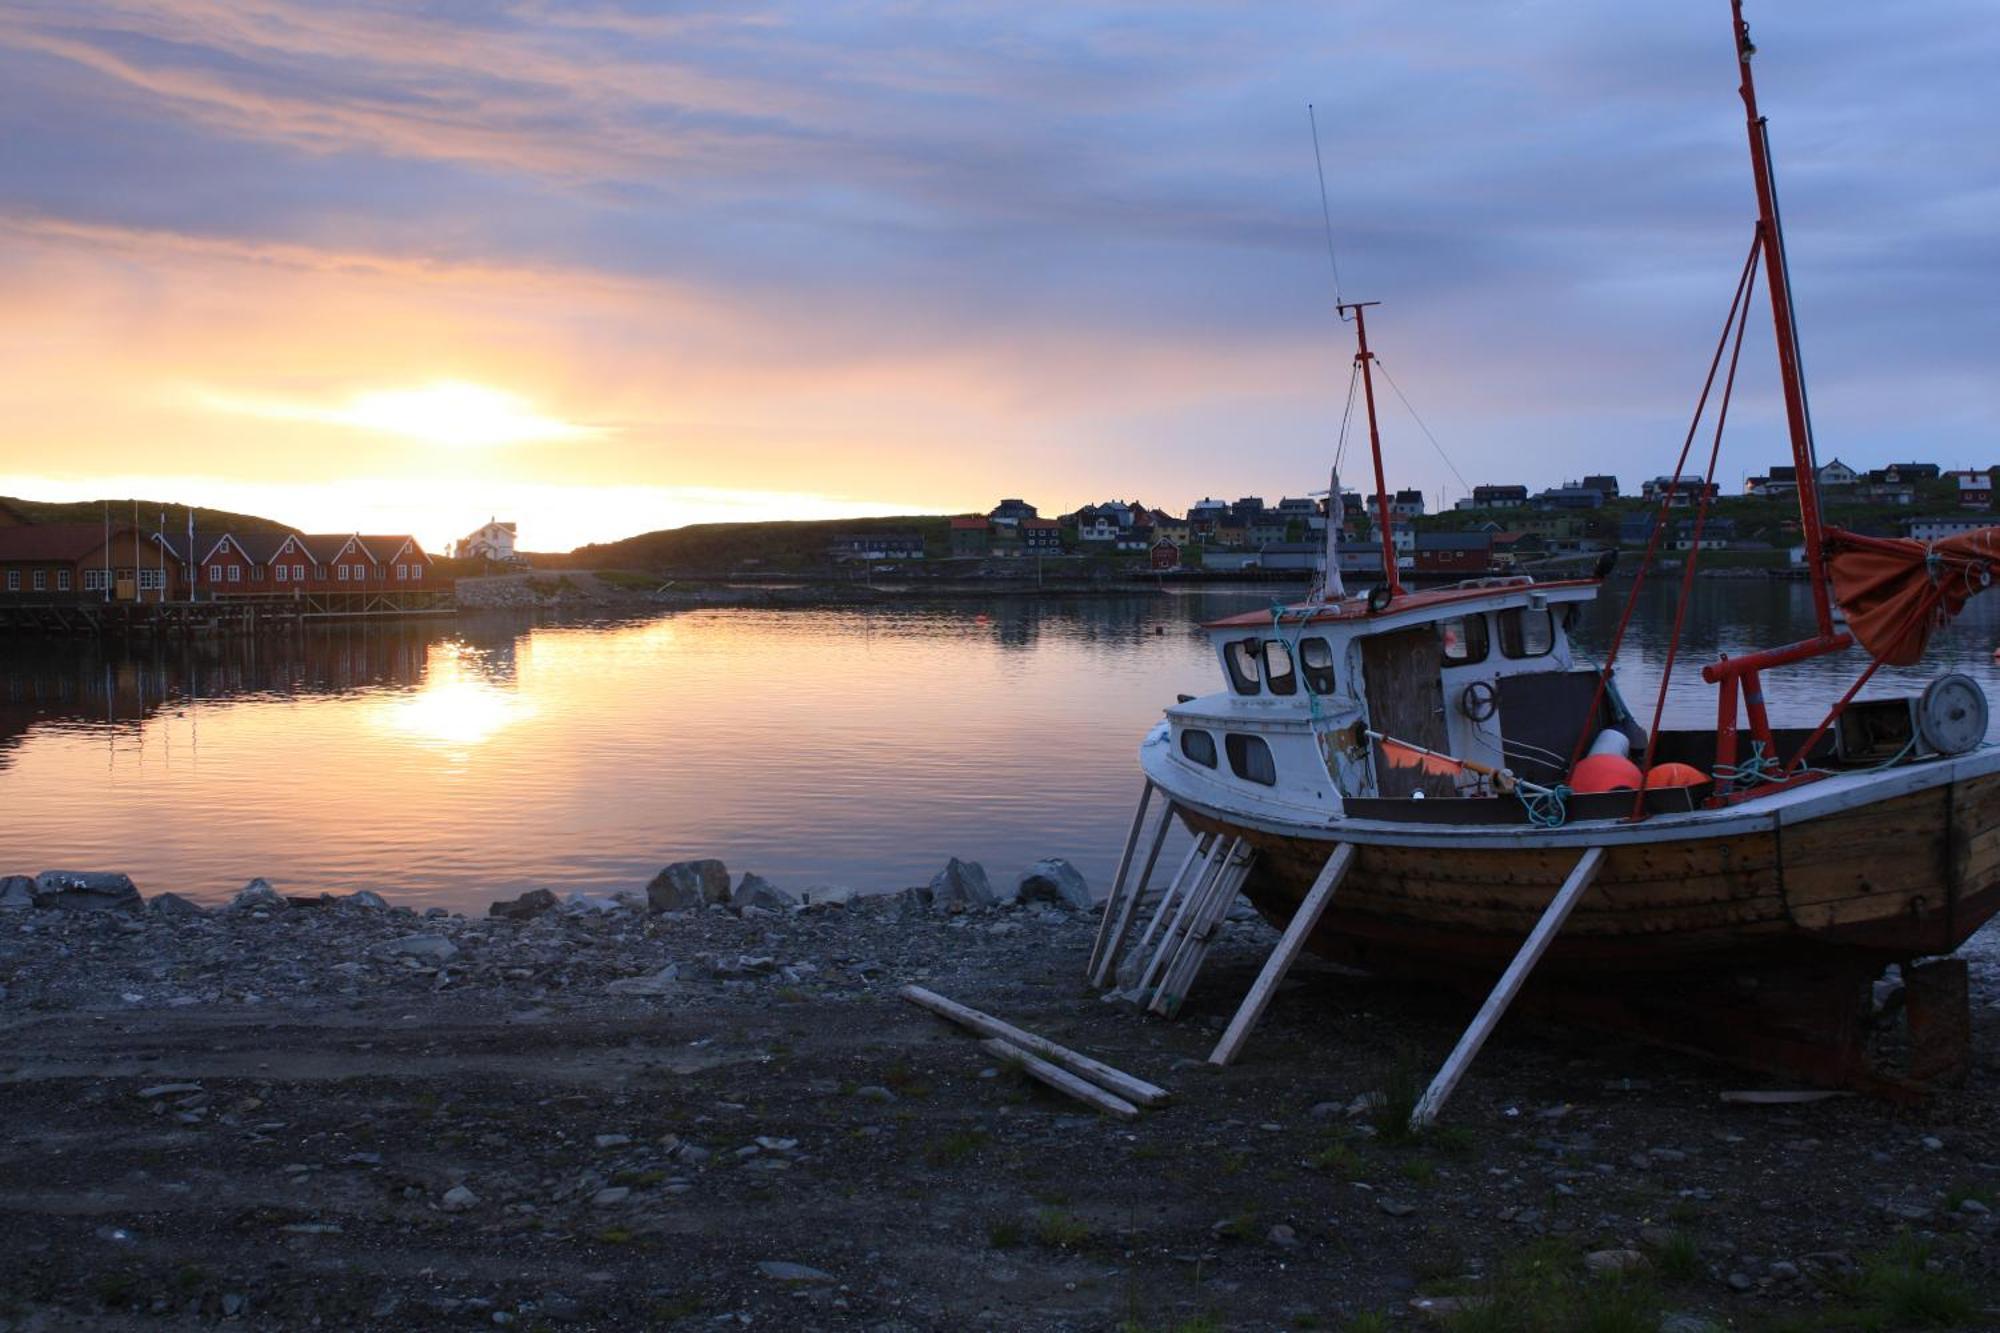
[(1116, 1080), (1281, 959), (1061, 1079), (1507, 988)]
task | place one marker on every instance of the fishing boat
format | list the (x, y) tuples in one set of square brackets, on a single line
[(1436, 783)]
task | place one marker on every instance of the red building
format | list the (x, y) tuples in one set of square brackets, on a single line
[(1166, 555), (1454, 552), (77, 562)]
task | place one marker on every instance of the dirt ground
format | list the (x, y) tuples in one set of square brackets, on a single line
[(293, 1118)]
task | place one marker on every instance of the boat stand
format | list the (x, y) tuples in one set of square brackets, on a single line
[(1189, 949), (1123, 903), (1507, 988), (1281, 959)]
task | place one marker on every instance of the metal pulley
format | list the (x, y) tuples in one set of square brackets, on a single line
[(1951, 715)]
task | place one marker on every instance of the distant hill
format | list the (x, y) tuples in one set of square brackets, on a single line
[(720, 547), (92, 511)]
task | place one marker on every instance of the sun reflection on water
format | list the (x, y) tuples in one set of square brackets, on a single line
[(458, 706)]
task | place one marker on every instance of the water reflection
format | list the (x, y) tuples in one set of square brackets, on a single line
[(458, 761)]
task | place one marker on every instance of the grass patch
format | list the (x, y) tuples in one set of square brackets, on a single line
[(614, 1236), (1004, 1234), (1338, 1159), (1897, 1289), (1234, 1161), (954, 1148), (1678, 1258), (1420, 1171), (1544, 1287), (1243, 1226), (1060, 1229), (638, 1179), (1368, 1321), (1956, 1196), (1391, 1115), (1454, 1140), (905, 1081)]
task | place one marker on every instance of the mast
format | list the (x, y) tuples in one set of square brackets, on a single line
[(1784, 322), (1363, 358)]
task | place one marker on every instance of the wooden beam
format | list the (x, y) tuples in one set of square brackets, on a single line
[(1101, 964), (1280, 962), (1061, 1080), (1212, 869), (1118, 880), (1507, 987), (1116, 1080), (1193, 867)]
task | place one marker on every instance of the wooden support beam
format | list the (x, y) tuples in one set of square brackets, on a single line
[(1507, 988), (1103, 963), (1197, 892), (1202, 925), (1280, 962), (1116, 1080), (1118, 880), (1061, 1079), (1193, 867)]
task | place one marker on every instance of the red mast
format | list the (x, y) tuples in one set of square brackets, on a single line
[(1778, 279), (1362, 358)]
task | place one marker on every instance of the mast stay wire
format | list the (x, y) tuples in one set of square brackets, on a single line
[(1465, 485), (1340, 449), (1325, 213)]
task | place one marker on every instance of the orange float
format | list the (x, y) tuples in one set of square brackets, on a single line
[(1675, 775), (1604, 772)]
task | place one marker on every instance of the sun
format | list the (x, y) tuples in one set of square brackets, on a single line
[(455, 413)]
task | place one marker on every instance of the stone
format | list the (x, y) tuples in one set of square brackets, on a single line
[(1054, 880), (429, 948), (872, 1093), (1973, 1208), (1741, 1282), (529, 905), (662, 982), (458, 1199), (258, 896), (173, 905), (756, 891), (961, 884), (1282, 1236), (86, 891), (779, 1271), (367, 900), (593, 903), (1395, 1207), (1676, 1322), (17, 893), (687, 885), (610, 1196), (1602, 1262)]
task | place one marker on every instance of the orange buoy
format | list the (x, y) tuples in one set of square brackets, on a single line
[(1675, 775), (1604, 772)]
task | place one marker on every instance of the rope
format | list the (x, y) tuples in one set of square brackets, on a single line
[(1422, 427), (1548, 807)]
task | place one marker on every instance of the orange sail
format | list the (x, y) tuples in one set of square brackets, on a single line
[(1896, 591), (1402, 754)]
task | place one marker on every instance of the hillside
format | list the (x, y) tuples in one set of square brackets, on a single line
[(92, 511), (719, 547)]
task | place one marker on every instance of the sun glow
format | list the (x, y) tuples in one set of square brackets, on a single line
[(457, 707), (455, 413)]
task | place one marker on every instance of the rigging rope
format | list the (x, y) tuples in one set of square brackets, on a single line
[(1325, 214), (1422, 427)]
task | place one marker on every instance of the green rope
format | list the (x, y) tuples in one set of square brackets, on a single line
[(1547, 807)]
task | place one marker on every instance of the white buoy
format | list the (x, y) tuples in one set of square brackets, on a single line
[(1612, 741)]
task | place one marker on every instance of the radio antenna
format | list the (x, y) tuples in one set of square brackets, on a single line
[(1325, 213)]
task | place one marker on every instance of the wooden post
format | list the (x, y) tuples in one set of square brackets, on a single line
[(1132, 1089), (1202, 924), (1193, 866), (1211, 868), (1061, 1080), (1118, 880), (1507, 988), (1105, 957), (1280, 962)]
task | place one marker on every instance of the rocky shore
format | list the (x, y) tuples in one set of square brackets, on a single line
[(702, 1105)]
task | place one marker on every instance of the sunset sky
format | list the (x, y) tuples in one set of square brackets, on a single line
[(604, 267)]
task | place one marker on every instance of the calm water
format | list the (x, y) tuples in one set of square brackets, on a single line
[(453, 763)]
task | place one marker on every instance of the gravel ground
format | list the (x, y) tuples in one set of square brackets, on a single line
[(350, 1116)]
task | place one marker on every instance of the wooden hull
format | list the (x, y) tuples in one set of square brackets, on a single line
[(1904, 877)]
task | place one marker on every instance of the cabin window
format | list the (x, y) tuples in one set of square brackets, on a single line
[(41, 580), (1199, 746), (1244, 672), (1316, 659), (1250, 759), (1463, 639), (1527, 632), (1278, 672)]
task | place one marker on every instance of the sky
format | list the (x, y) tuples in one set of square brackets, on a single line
[(607, 267)]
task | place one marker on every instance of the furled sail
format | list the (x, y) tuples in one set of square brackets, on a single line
[(1896, 591)]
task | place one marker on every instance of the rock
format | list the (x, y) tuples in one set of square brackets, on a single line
[(1615, 1261), (86, 891), (686, 885), (529, 905), (961, 884), (17, 893), (589, 903), (871, 1093), (1395, 1207), (258, 896), (779, 1271), (1054, 880), (1783, 1270), (610, 1196), (1973, 1208), (611, 1140), (168, 1090), (662, 982), (458, 1199), (1444, 1309), (1741, 1282), (1687, 1323), (756, 891), (367, 900), (431, 948), (1282, 1236), (1932, 1143), (173, 905)]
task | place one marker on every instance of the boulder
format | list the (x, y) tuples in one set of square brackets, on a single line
[(960, 885), (756, 891), (366, 900), (662, 982), (173, 905), (430, 948), (530, 904), (17, 893), (594, 902), (86, 891), (258, 896), (1054, 880), (686, 885)]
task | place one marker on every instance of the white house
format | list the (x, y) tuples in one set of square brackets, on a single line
[(494, 541)]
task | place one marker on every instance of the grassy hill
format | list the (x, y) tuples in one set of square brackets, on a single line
[(720, 547), (92, 511)]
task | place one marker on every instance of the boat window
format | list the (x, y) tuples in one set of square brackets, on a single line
[(1250, 759), (1316, 659), (1527, 632), (1198, 746), (1278, 672), (1243, 656), (1463, 639)]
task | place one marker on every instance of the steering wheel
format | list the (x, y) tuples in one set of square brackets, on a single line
[(1479, 700)]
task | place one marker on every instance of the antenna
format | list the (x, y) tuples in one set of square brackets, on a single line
[(1325, 213)]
